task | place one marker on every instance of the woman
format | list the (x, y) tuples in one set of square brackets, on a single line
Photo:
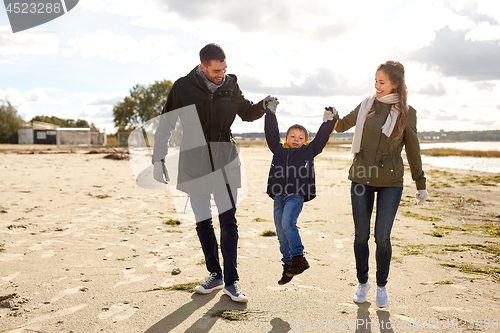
[(384, 124)]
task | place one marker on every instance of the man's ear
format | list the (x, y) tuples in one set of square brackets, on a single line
[(203, 68)]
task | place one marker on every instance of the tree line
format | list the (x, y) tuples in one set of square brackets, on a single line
[(145, 102), (71, 123)]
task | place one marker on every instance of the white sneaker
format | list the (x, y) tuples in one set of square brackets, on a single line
[(382, 299), (211, 284), (235, 293), (360, 295)]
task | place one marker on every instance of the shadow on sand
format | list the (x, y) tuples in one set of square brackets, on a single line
[(205, 323), (364, 323)]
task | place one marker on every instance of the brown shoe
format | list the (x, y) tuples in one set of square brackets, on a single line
[(299, 265), (285, 278)]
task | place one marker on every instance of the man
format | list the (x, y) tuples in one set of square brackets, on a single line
[(208, 161)]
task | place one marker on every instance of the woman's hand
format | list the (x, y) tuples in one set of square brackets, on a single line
[(421, 196)]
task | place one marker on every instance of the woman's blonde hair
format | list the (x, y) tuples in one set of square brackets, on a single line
[(396, 73)]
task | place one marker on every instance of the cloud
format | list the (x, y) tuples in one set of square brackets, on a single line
[(442, 115), (34, 96), (106, 100), (482, 122), (123, 48), (102, 113), (483, 32), (321, 21), (433, 89), (33, 43), (471, 10), (323, 83), (486, 86), (436, 115), (452, 55)]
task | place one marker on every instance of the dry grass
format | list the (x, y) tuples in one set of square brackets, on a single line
[(459, 152)]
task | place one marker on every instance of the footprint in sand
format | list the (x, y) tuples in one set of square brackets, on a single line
[(11, 256), (338, 244), (65, 293), (322, 237), (130, 277), (120, 312), (48, 254), (34, 326), (8, 278)]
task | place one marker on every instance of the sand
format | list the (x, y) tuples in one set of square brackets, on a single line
[(84, 249)]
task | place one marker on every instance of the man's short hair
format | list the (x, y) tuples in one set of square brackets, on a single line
[(211, 52)]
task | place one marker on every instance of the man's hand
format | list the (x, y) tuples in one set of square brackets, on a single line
[(421, 196), (271, 103), (160, 172)]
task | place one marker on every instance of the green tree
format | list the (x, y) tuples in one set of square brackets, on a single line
[(71, 123), (10, 122), (143, 104)]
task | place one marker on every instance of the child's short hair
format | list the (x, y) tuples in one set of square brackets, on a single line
[(299, 127)]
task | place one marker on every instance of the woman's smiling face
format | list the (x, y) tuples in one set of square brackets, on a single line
[(382, 84)]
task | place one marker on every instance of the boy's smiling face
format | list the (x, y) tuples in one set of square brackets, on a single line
[(295, 138)]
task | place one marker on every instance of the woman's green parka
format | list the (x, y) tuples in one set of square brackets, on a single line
[(379, 162)]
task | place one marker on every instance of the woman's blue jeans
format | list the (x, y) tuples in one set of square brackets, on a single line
[(286, 211), (362, 199), (201, 205)]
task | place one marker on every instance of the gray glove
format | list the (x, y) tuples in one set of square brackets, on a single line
[(333, 110), (160, 172), (327, 115), (421, 196), (270, 103)]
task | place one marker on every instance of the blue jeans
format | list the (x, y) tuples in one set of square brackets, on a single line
[(286, 211), (200, 203), (362, 199)]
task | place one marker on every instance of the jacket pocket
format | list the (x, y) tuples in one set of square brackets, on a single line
[(399, 168)]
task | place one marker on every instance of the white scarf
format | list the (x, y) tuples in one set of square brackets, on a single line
[(366, 105)]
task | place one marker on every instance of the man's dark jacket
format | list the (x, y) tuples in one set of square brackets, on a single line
[(208, 157)]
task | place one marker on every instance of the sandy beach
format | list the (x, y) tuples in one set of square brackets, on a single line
[(84, 249)]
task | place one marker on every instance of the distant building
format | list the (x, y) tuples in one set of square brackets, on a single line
[(37, 132)]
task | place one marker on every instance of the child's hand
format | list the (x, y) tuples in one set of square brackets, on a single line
[(329, 114), (333, 110)]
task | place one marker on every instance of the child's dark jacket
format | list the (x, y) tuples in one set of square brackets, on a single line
[(292, 169)]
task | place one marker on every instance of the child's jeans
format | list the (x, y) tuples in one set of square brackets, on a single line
[(286, 211)]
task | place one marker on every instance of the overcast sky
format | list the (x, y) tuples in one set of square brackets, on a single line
[(309, 54)]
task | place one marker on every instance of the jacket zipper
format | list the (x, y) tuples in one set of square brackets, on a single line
[(211, 96), (286, 174)]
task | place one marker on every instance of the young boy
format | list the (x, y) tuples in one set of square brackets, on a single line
[(291, 182)]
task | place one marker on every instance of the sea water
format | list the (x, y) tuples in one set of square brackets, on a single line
[(488, 164)]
